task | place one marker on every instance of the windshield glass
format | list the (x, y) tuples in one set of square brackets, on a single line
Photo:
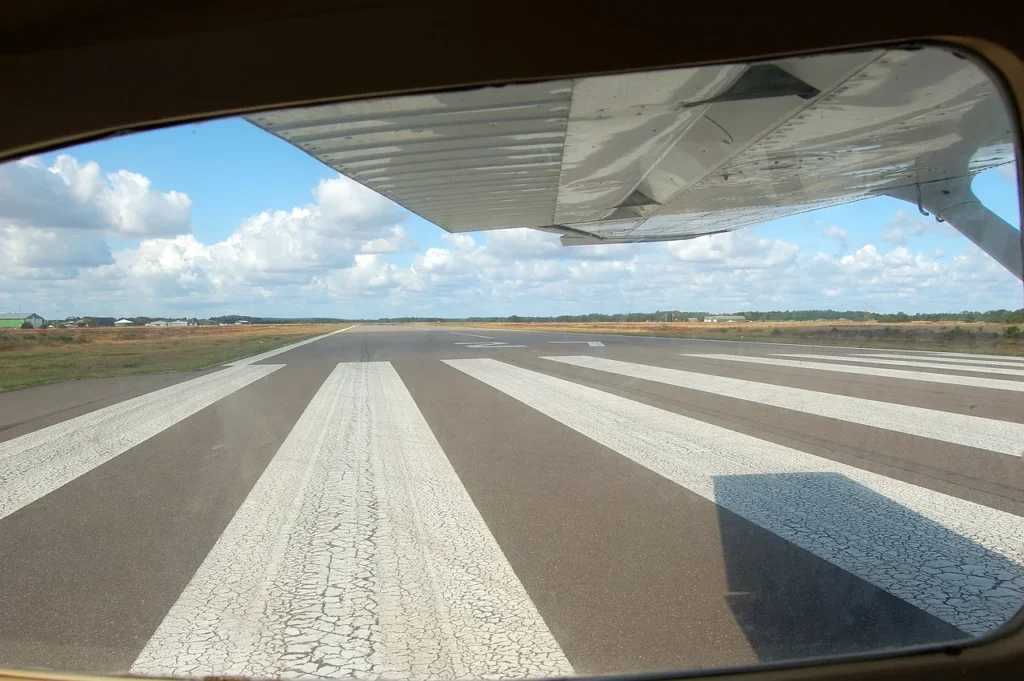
[(682, 369)]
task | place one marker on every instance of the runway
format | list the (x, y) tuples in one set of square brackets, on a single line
[(442, 502)]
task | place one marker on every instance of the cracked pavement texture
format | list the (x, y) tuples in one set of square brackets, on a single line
[(37, 463), (358, 553), (960, 561)]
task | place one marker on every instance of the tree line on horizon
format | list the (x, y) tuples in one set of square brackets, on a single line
[(1000, 316)]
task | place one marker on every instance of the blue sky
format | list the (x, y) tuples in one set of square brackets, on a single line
[(231, 170), (234, 220)]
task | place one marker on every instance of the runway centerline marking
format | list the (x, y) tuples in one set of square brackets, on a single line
[(972, 431), (358, 553), (495, 344), (950, 379), (37, 463), (471, 335), (959, 561)]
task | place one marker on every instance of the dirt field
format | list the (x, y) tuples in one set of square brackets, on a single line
[(948, 336), (34, 357)]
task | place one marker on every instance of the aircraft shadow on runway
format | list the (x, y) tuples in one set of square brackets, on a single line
[(793, 604)]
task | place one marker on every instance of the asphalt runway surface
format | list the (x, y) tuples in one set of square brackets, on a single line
[(424, 502)]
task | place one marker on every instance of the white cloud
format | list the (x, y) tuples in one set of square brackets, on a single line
[(137, 210), (335, 256), (29, 251), (906, 226), (834, 232), (460, 242), (73, 196), (735, 250), (1008, 171)]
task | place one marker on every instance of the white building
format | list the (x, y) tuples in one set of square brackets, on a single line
[(124, 322), (717, 319)]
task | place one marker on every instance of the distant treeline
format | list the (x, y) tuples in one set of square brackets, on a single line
[(992, 316)]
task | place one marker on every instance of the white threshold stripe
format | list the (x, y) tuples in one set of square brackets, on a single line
[(245, 361), (972, 355), (909, 363), (972, 431), (951, 379), (358, 553), (944, 360), (955, 559), (37, 463)]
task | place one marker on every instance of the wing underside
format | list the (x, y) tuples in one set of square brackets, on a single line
[(668, 154)]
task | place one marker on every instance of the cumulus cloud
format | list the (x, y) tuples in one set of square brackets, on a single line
[(735, 250), (460, 242), (834, 232), (30, 251), (906, 226), (70, 195), (335, 256)]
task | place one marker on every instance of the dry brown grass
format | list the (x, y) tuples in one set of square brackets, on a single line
[(950, 336), (37, 356)]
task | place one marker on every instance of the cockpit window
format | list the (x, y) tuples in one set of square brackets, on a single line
[(670, 370)]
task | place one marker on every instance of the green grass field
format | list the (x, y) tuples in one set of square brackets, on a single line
[(38, 356)]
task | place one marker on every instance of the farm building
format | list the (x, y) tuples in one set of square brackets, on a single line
[(124, 322), (14, 320), (726, 318)]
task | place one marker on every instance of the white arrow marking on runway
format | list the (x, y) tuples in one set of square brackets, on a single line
[(593, 344)]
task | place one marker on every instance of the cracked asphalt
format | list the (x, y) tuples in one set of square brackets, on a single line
[(425, 502)]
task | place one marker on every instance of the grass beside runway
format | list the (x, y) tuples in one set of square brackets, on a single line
[(985, 338), (38, 356)]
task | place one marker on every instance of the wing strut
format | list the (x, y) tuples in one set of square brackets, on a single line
[(953, 201)]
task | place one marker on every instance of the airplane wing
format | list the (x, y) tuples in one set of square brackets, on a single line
[(679, 153)]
